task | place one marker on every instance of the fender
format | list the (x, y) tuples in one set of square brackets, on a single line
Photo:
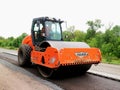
[(28, 40)]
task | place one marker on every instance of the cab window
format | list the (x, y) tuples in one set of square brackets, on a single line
[(53, 30)]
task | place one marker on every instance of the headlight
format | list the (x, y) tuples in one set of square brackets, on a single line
[(52, 60)]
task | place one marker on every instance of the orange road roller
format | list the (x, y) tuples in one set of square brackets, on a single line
[(46, 48)]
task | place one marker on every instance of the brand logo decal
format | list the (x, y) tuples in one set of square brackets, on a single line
[(81, 54)]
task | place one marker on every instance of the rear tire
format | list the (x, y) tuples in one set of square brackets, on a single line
[(24, 54), (45, 71)]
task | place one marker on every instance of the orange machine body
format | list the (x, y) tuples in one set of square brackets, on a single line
[(53, 57)]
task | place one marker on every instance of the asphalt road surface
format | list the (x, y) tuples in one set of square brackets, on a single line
[(71, 82)]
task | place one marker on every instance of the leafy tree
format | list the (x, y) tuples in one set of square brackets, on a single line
[(68, 34), (116, 50), (116, 40), (92, 42), (93, 27), (17, 42), (10, 41), (107, 36), (107, 48), (99, 39), (111, 42), (2, 39), (79, 35)]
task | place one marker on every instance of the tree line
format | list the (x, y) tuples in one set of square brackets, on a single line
[(11, 42)]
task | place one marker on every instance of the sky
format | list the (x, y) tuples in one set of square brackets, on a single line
[(16, 15)]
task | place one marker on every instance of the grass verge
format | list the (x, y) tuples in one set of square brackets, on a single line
[(111, 61)]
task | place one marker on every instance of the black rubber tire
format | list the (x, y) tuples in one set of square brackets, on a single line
[(24, 55), (85, 68), (45, 72)]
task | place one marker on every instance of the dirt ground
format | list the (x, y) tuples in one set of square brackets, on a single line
[(13, 78), (10, 80)]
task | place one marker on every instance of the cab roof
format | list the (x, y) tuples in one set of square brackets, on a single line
[(43, 19)]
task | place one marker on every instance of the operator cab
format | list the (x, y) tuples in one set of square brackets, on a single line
[(45, 28)]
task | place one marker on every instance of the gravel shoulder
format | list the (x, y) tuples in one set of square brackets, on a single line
[(15, 78)]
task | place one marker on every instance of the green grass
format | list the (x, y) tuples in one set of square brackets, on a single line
[(111, 61), (12, 48)]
